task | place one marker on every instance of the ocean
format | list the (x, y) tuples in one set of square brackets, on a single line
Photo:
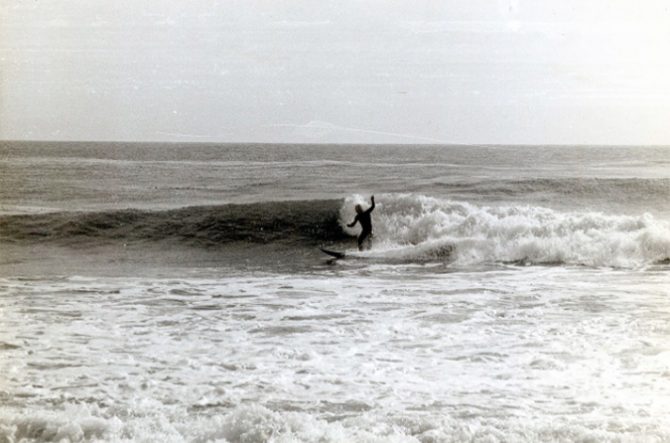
[(177, 293)]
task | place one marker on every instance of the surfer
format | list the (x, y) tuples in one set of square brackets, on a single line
[(363, 217)]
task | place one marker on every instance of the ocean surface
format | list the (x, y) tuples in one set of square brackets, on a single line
[(176, 293)]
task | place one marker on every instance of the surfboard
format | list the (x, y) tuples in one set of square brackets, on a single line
[(335, 254)]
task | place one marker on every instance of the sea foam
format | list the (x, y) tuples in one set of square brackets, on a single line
[(421, 225), (258, 424)]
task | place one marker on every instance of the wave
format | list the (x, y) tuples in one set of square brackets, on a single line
[(287, 221), (513, 234), (407, 228), (614, 190)]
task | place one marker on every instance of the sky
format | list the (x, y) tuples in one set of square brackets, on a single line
[(411, 72)]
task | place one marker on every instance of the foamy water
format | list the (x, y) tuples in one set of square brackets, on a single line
[(413, 226), (497, 355), (511, 295)]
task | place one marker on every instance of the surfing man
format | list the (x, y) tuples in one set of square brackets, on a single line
[(364, 218)]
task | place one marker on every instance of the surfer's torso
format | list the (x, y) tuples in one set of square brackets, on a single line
[(365, 219)]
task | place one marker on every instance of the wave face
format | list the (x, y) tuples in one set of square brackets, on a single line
[(518, 234), (288, 221)]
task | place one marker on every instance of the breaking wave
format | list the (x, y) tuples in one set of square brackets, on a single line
[(517, 234), (408, 227)]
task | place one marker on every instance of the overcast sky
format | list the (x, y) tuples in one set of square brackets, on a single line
[(454, 71)]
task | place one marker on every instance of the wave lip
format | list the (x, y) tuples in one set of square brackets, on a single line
[(515, 234)]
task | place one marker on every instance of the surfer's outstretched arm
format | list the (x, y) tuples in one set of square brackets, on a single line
[(372, 200), (351, 225)]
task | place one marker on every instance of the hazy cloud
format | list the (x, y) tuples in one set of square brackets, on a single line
[(392, 71)]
